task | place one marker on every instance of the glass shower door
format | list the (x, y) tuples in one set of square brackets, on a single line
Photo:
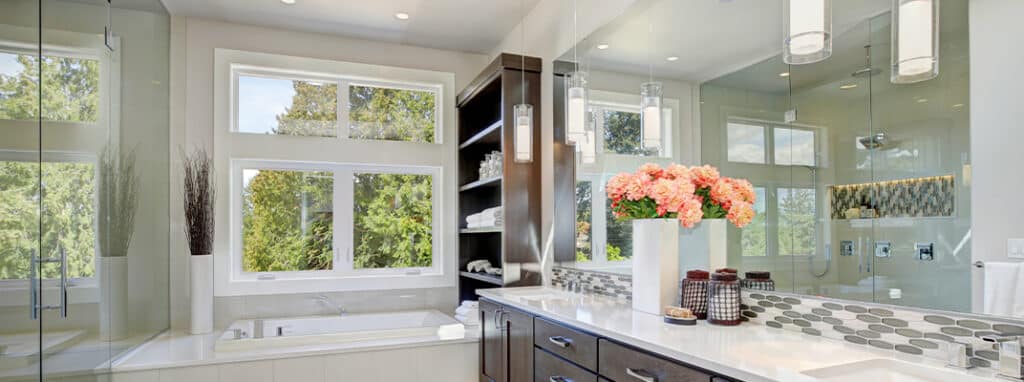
[(20, 340)]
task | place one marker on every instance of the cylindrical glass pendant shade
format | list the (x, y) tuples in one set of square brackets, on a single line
[(915, 41), (523, 132), (576, 107), (650, 115), (808, 31), (588, 151)]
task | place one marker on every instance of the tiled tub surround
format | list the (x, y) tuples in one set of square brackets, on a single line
[(596, 282), (917, 197), (748, 352), (884, 327)]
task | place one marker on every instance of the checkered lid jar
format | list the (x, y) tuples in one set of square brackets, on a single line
[(694, 292), (758, 280), (724, 299)]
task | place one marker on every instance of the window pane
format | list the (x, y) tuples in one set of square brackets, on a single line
[(287, 220), (619, 236), (754, 235), (70, 88), (745, 143), (393, 221), (622, 133), (68, 216), (287, 107), (391, 114), (797, 209), (794, 147), (584, 221)]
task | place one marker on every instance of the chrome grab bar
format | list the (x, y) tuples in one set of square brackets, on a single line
[(641, 375), (560, 341), (34, 280)]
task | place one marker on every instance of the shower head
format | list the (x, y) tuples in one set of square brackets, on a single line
[(874, 142)]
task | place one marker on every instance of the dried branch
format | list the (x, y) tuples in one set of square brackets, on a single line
[(199, 196), (118, 201)]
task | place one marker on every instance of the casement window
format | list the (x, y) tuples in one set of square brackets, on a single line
[(334, 175), (762, 142)]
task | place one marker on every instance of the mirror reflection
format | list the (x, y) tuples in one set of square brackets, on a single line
[(860, 161)]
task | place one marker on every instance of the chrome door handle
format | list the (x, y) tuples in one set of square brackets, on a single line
[(560, 341), (559, 378), (641, 374), (33, 289), (63, 283)]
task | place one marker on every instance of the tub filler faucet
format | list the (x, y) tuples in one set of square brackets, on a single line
[(1011, 358), (325, 301)]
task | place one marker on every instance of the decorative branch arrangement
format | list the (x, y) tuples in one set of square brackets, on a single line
[(119, 191), (199, 196)]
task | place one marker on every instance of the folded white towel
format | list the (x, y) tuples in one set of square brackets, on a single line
[(468, 320), (493, 212), (466, 311), (1004, 289), (470, 303)]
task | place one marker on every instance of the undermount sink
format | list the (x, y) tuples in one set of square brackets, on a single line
[(886, 370)]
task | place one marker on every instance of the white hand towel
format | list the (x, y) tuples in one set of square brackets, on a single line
[(470, 303), (465, 311), (468, 320), (1004, 289)]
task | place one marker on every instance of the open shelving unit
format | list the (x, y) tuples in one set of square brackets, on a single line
[(485, 124)]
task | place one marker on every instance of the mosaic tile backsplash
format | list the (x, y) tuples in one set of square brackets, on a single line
[(607, 284), (904, 331), (918, 197)]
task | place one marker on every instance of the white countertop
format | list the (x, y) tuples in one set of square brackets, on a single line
[(749, 352)]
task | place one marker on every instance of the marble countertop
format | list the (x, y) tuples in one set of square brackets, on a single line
[(749, 352)]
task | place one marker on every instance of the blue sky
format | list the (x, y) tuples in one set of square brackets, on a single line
[(260, 100), (9, 64)]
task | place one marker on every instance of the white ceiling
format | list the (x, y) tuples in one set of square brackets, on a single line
[(710, 37), (475, 26)]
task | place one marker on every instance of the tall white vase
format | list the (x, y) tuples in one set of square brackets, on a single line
[(655, 264), (704, 246), (113, 276), (201, 284)]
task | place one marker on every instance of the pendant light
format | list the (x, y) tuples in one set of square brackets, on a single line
[(650, 100), (808, 31), (588, 151), (915, 41), (575, 95), (523, 112)]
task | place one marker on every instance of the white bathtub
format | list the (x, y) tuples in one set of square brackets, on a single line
[(316, 330)]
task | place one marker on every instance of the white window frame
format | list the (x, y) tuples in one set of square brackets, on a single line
[(768, 130), (599, 217), (233, 150)]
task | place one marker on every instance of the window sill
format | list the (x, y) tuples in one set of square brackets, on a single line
[(225, 288)]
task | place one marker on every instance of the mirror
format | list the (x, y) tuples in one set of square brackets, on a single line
[(863, 182)]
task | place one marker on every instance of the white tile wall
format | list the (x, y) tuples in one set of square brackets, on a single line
[(441, 363)]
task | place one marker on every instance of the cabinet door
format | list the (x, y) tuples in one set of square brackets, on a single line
[(492, 346), (520, 345)]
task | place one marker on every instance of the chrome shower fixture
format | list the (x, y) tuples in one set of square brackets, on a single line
[(874, 142)]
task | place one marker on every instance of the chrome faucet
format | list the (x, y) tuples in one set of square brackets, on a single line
[(1011, 359), (958, 355), (574, 285), (329, 304)]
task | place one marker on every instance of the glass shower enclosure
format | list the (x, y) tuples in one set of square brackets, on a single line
[(863, 185), (84, 172)]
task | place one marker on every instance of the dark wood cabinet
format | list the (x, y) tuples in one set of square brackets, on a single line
[(506, 344), (515, 346)]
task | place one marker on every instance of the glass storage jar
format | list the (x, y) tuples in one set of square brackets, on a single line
[(724, 299)]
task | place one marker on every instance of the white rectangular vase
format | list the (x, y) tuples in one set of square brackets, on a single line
[(655, 264), (201, 288), (113, 274), (704, 246)]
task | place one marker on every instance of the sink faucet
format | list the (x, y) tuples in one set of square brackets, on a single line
[(958, 355), (1011, 359), (328, 303), (574, 285)]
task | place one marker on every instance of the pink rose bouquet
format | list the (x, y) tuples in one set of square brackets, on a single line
[(689, 194)]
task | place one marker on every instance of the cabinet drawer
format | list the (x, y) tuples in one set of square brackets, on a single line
[(548, 368), (622, 364), (568, 343)]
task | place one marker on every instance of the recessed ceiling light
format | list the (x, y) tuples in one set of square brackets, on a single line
[(922, 100), (784, 74), (288, 2), (672, 58), (399, 15), (848, 86), (957, 106), (602, 46)]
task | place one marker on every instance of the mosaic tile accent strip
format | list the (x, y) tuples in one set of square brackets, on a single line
[(607, 284), (904, 331), (917, 197)]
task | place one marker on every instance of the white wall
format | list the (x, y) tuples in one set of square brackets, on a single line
[(997, 130), (192, 121), (549, 34)]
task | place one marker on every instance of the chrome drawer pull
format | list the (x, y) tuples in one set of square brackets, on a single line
[(560, 341), (641, 375), (559, 378)]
